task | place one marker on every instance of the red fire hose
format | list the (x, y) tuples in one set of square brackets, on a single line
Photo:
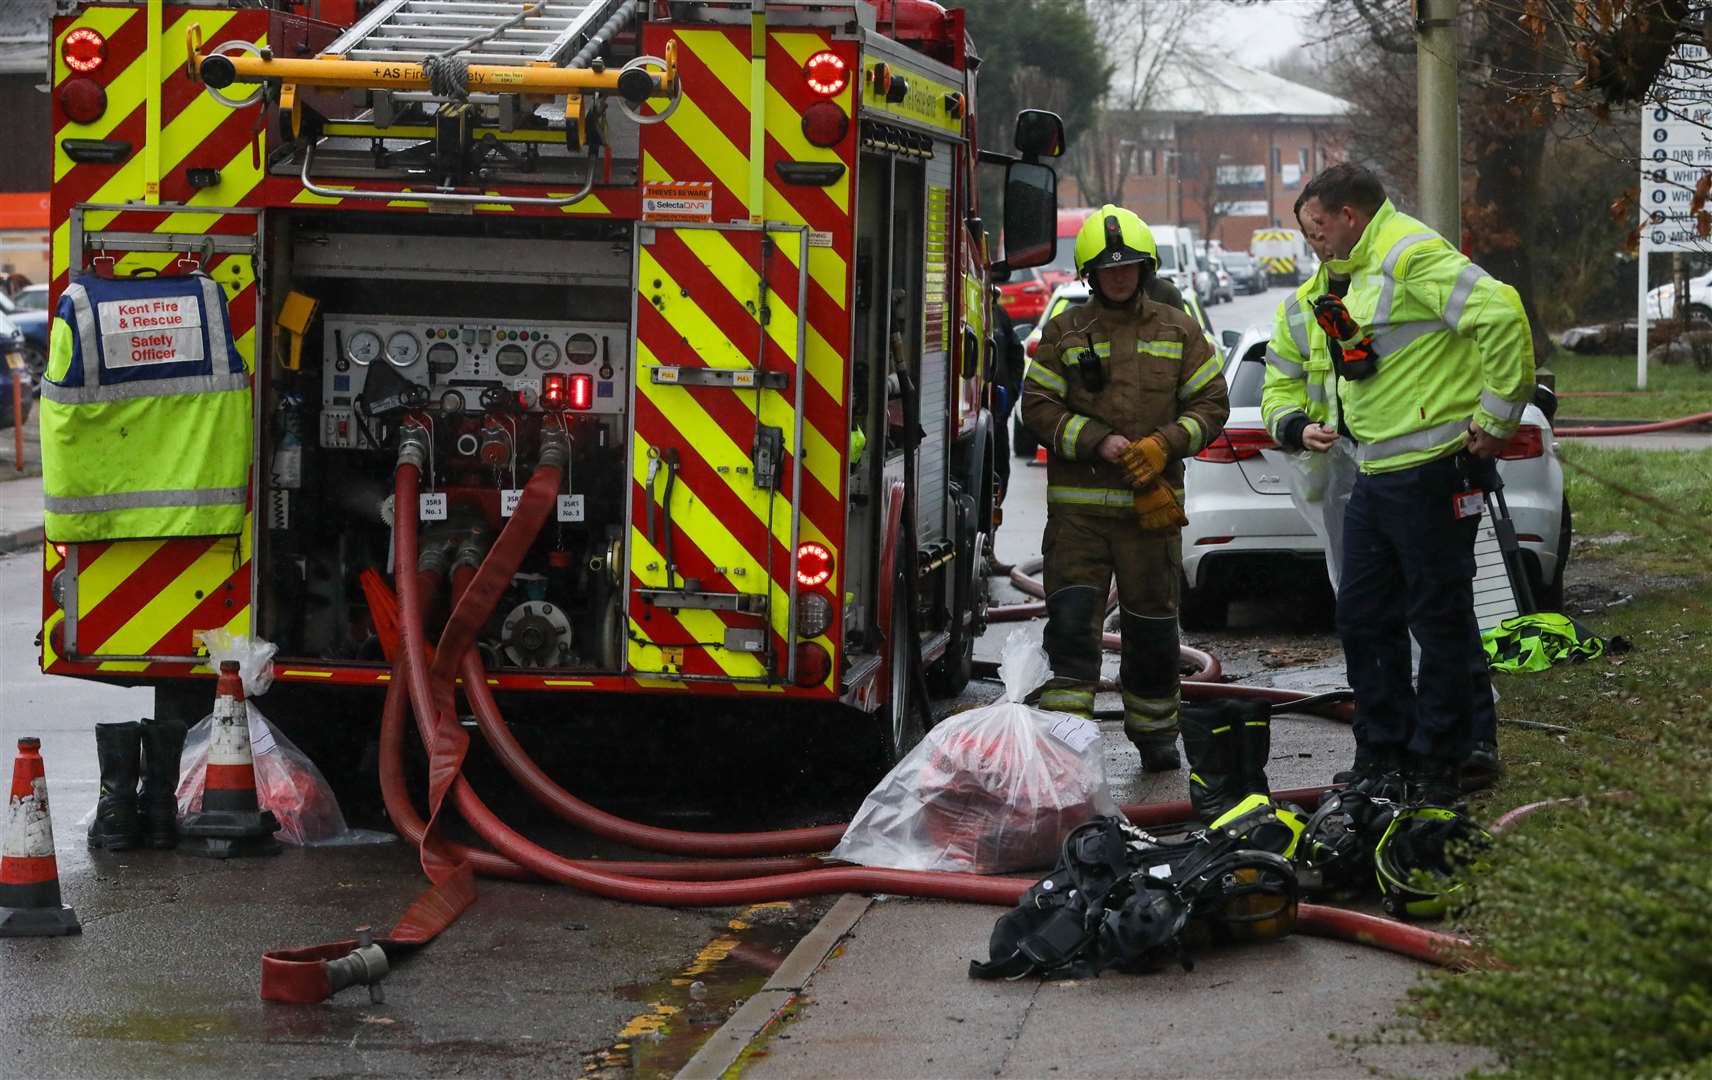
[(1632, 429)]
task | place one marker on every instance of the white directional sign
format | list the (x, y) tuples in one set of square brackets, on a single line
[(1676, 151)]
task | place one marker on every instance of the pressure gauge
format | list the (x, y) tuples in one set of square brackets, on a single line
[(442, 358), (546, 354), (511, 359), (581, 348), (402, 349), (364, 347)]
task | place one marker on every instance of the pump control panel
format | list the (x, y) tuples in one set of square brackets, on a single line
[(454, 367)]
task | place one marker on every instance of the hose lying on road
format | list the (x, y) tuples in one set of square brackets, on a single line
[(1632, 429)]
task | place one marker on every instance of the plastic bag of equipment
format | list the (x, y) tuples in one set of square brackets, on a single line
[(287, 782), (989, 791)]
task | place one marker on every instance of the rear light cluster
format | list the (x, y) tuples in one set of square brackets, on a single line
[(1528, 442), (83, 50), (1236, 444), (825, 123), (83, 100), (814, 565)]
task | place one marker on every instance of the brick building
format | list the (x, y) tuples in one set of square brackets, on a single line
[(1221, 148)]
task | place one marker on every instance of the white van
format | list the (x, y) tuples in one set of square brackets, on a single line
[(1178, 261)]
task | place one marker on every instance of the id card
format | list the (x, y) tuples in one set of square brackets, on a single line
[(1467, 504)]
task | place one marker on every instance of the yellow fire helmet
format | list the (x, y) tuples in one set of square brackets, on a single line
[(1112, 237)]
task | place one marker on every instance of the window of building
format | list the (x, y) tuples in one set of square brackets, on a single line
[(1150, 162), (1277, 167), (1303, 158)]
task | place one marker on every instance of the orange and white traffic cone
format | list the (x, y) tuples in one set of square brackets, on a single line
[(231, 822), (1039, 456), (30, 904)]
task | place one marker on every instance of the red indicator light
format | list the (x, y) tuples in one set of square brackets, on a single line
[(581, 392), (83, 50), (814, 564), (553, 392), (60, 550), (826, 73)]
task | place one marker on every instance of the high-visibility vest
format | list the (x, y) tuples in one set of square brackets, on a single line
[(145, 415)]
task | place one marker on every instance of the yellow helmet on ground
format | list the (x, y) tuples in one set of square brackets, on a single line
[(1113, 236)]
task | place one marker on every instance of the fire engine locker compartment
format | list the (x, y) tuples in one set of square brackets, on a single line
[(485, 331)]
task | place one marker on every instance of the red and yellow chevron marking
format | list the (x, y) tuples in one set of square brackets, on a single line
[(150, 597), (153, 106), (698, 293)]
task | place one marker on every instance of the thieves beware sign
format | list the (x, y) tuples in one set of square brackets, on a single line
[(152, 330), (677, 200)]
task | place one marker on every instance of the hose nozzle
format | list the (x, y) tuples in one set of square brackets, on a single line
[(366, 964)]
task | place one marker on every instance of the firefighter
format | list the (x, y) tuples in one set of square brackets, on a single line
[(1120, 391), (1432, 361), (1008, 364)]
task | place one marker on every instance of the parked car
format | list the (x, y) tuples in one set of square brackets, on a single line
[(34, 324), (1025, 297), (32, 298), (1245, 274), (1245, 535), (1224, 292), (1023, 442), (1661, 302), (12, 369)]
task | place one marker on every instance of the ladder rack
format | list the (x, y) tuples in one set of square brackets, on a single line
[(405, 31)]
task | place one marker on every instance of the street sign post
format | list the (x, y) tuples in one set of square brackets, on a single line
[(1676, 150)]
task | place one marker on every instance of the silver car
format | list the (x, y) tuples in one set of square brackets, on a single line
[(1245, 535)]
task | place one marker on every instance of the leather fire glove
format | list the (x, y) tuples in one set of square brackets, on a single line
[(1145, 460), (1158, 508), (1351, 349)]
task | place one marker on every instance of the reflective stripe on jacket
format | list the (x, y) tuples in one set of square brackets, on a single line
[(1453, 344), (1299, 378), (146, 419)]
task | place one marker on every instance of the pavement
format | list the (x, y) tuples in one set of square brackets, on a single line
[(20, 490)]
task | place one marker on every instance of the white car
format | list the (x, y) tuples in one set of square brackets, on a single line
[(1245, 535), (1661, 302)]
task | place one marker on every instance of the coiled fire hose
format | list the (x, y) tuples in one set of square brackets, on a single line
[(425, 687)]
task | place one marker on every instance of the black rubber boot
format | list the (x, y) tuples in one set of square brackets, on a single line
[(1158, 752), (1433, 781), (1482, 767), (1371, 763), (117, 825), (163, 744)]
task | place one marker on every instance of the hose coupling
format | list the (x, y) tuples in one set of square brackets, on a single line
[(472, 551), (434, 556), (413, 447), (366, 964), (555, 448)]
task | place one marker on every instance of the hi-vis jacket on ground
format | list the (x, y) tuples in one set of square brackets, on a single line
[(1453, 346), (1162, 376)]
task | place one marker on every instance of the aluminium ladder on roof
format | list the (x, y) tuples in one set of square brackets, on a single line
[(404, 31)]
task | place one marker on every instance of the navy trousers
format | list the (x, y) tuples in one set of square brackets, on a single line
[(1409, 567)]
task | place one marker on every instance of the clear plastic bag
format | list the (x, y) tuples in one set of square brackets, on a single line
[(287, 782), (988, 791)]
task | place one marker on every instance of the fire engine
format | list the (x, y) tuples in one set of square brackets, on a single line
[(731, 249)]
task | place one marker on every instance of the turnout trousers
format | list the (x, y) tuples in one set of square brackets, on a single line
[(1408, 568), (1083, 552)]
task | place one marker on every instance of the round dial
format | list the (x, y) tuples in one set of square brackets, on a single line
[(545, 355), (526, 397), (402, 349), (581, 348), (451, 403), (363, 347), (511, 359), (442, 358)]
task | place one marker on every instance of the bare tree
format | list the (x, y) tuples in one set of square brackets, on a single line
[(1142, 37)]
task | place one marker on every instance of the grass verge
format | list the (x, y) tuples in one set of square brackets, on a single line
[(1672, 390), (1594, 912)]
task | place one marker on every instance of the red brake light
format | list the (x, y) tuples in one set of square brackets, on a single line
[(1528, 442), (82, 100), (1236, 444), (825, 124), (581, 395), (826, 73), (83, 50), (814, 564), (814, 664), (59, 549)]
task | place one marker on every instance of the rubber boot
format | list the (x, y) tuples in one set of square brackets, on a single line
[(1482, 767), (1212, 741), (117, 825), (1432, 781), (1256, 718), (163, 744), (1158, 752), (1371, 763)]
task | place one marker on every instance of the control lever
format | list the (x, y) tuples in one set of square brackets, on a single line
[(765, 455), (653, 471), (671, 456)]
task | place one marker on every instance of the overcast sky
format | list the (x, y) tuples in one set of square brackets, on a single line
[(1256, 33)]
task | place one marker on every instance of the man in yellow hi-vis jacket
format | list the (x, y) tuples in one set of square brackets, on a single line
[(1121, 389), (1433, 364)]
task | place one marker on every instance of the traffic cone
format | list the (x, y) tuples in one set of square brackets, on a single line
[(231, 822), (29, 875), (1039, 456)]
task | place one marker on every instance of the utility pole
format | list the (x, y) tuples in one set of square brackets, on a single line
[(1440, 147)]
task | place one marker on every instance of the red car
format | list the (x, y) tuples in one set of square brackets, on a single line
[(1025, 296)]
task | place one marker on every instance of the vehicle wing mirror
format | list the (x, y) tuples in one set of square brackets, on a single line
[(1039, 134), (1230, 338), (1031, 215)]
